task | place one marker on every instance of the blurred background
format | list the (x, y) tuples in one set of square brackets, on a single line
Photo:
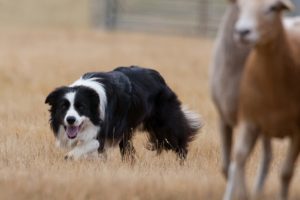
[(196, 17), (48, 43), (168, 16)]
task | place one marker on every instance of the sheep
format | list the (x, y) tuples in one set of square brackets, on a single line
[(269, 94), (226, 70), (292, 23)]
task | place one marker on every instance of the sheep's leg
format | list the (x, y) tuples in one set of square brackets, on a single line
[(264, 166), (288, 166), (247, 137), (226, 143)]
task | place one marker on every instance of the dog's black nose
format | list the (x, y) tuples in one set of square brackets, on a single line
[(71, 120)]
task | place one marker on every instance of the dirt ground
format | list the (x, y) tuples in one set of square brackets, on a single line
[(34, 62)]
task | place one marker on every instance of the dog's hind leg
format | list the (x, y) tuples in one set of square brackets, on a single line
[(127, 149), (181, 155), (101, 150), (167, 137), (169, 129)]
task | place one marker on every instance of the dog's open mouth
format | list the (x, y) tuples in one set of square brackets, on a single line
[(72, 131)]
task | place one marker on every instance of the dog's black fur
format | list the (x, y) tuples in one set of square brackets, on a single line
[(136, 97)]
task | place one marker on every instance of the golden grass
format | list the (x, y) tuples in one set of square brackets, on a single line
[(45, 13), (32, 63)]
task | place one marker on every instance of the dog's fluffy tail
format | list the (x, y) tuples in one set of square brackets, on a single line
[(194, 121), (179, 127)]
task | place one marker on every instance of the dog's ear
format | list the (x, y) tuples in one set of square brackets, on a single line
[(54, 95)]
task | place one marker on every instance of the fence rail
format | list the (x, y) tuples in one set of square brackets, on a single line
[(201, 17), (176, 16)]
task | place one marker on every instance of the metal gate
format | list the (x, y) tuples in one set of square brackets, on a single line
[(175, 16)]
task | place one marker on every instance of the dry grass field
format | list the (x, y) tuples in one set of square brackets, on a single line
[(32, 63)]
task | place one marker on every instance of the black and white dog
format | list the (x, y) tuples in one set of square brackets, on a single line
[(104, 109)]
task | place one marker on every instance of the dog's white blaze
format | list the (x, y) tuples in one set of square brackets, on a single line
[(98, 87), (71, 111)]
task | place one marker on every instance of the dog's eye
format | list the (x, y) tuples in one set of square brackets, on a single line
[(80, 106), (64, 105)]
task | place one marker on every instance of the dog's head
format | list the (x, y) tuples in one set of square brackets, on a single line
[(74, 109)]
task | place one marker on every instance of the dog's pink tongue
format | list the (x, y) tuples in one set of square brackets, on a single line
[(72, 131)]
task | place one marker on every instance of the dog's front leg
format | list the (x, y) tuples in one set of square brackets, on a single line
[(83, 149)]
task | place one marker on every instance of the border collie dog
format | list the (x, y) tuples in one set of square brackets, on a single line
[(104, 109)]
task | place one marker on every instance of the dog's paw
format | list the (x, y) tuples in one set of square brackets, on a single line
[(72, 156), (150, 146), (68, 157)]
